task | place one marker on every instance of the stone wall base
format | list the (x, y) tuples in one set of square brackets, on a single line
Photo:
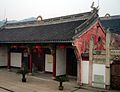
[(107, 87)]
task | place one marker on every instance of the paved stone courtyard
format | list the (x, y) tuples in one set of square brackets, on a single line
[(11, 82)]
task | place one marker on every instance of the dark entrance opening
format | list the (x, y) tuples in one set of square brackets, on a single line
[(115, 75), (71, 62), (38, 59)]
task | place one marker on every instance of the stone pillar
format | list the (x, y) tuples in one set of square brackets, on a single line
[(78, 68), (91, 45), (78, 72), (107, 74), (53, 52)]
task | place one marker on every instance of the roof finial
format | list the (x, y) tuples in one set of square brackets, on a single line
[(94, 9), (92, 6), (39, 18), (107, 15), (6, 21), (98, 3)]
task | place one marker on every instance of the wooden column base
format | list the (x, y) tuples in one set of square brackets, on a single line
[(9, 69), (30, 74), (79, 83), (54, 78)]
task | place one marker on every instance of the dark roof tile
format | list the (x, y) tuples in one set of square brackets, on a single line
[(60, 32), (113, 24), (45, 33)]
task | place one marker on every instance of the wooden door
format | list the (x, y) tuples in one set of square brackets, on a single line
[(115, 75), (71, 62), (38, 60)]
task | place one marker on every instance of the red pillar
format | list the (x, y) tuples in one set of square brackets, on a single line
[(30, 64), (54, 63)]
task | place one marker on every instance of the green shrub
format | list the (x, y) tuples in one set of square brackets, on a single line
[(23, 71), (61, 78)]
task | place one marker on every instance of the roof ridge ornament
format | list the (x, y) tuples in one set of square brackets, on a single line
[(39, 18), (93, 17), (92, 6), (4, 24), (94, 9), (107, 15)]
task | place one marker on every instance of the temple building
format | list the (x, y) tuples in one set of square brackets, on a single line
[(81, 45)]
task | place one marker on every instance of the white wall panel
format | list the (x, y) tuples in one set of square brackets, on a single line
[(85, 71), (60, 61), (3, 56), (48, 63), (99, 75), (16, 59), (99, 69)]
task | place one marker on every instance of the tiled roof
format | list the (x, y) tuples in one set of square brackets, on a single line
[(56, 20), (62, 32), (56, 31), (113, 23)]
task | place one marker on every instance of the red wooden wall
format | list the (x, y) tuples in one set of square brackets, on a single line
[(82, 42)]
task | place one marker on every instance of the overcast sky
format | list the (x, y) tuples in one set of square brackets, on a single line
[(21, 9)]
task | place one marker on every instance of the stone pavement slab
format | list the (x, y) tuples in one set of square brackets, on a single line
[(12, 81)]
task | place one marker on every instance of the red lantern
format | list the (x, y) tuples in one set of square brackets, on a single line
[(14, 46), (38, 46), (62, 46)]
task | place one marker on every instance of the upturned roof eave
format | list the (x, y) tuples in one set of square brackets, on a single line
[(86, 25)]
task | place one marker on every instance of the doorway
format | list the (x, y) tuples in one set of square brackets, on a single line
[(38, 59), (71, 62), (115, 75)]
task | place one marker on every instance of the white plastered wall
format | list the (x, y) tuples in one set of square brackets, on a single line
[(85, 71), (15, 59), (3, 56), (48, 63), (60, 61), (99, 69)]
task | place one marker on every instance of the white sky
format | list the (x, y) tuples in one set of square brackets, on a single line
[(21, 9)]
